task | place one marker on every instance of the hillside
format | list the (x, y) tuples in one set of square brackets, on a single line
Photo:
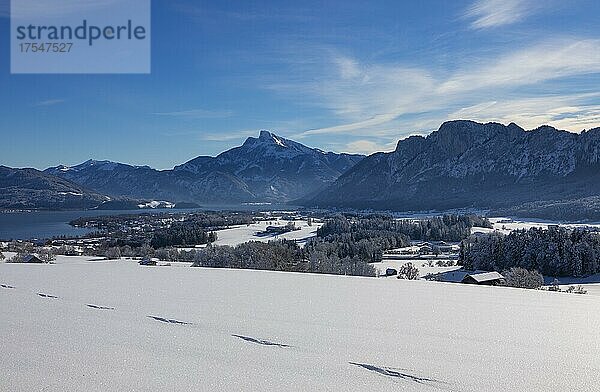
[(468, 164), (33, 189)]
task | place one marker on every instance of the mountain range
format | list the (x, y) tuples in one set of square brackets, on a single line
[(468, 164), (269, 168), (464, 164)]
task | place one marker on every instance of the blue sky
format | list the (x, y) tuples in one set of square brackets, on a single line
[(346, 76)]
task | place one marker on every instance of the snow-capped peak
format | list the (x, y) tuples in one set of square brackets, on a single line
[(268, 137), (279, 142)]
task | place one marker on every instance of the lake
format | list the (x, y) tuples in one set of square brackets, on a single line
[(48, 224), (45, 224)]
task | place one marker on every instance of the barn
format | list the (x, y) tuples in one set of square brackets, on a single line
[(484, 278), (32, 259)]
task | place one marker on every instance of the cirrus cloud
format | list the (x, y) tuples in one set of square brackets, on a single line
[(378, 103), (494, 13)]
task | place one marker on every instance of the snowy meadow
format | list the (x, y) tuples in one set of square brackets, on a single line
[(87, 324)]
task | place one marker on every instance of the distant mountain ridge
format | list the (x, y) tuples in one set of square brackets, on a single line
[(469, 164), (464, 164), (269, 168), (33, 189)]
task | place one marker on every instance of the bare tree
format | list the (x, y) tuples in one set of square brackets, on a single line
[(408, 271)]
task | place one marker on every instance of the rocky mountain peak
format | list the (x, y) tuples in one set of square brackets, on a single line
[(264, 168), (267, 138), (265, 135)]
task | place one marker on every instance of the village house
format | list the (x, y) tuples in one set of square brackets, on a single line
[(484, 278)]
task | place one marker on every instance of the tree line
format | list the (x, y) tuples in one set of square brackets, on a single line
[(344, 245), (556, 251), (282, 255)]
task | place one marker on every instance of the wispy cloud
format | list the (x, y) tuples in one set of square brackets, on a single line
[(563, 112), (378, 103), (227, 136), (550, 60), (194, 114), (49, 102), (350, 127), (211, 136), (494, 13), (367, 147)]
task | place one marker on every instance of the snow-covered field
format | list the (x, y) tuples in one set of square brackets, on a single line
[(506, 225), (261, 331), (421, 264), (240, 234), (455, 274)]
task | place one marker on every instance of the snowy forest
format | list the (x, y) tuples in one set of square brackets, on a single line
[(344, 245), (198, 229), (182, 233), (553, 252), (443, 228)]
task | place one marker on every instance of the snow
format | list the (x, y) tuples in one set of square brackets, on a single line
[(455, 274), (506, 225), (344, 333), (590, 283), (486, 230), (278, 141), (156, 204), (421, 264), (244, 233)]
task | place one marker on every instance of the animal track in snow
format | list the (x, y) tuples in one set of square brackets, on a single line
[(260, 341), (99, 307), (396, 373), (166, 320), (46, 295)]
